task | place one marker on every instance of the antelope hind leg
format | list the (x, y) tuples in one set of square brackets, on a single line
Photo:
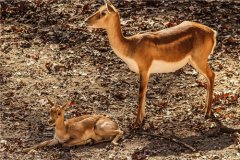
[(117, 137), (75, 142)]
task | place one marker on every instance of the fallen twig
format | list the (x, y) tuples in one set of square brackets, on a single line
[(170, 139)]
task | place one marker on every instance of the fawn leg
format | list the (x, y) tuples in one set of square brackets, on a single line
[(74, 142), (42, 144)]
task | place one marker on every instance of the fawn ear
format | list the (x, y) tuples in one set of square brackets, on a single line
[(50, 102), (66, 105), (110, 7)]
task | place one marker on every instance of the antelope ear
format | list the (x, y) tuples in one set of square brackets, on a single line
[(110, 7), (50, 102), (66, 105)]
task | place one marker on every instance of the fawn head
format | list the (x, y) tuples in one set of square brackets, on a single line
[(56, 112), (103, 17)]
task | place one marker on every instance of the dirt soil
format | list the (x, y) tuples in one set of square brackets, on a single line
[(46, 51)]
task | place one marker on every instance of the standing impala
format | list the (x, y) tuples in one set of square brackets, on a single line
[(159, 52)]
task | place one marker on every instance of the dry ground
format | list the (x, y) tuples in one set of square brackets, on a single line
[(46, 51)]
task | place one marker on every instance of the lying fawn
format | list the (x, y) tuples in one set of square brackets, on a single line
[(79, 130), (159, 52)]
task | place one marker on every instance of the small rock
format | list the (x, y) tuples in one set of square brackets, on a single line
[(197, 154), (191, 8), (111, 156), (27, 36), (25, 45), (43, 102), (3, 141), (5, 46), (216, 157)]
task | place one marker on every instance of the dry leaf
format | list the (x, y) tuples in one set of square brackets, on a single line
[(231, 39)]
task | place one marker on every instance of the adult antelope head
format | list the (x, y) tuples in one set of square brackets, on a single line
[(105, 16), (159, 52)]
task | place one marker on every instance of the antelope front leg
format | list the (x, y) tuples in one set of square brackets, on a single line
[(142, 96), (42, 144)]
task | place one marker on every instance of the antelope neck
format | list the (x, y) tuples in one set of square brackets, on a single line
[(60, 125), (117, 41)]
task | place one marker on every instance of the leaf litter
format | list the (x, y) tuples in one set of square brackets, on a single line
[(46, 51)]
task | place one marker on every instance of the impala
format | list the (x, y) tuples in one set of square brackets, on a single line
[(163, 51), (79, 130)]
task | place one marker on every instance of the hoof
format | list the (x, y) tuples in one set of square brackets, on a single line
[(137, 124), (207, 116)]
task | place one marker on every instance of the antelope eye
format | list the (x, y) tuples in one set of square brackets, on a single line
[(103, 13), (59, 113)]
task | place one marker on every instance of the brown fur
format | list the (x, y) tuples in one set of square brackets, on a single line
[(80, 130), (169, 45)]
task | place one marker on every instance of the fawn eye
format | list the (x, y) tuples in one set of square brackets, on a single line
[(103, 13), (59, 113)]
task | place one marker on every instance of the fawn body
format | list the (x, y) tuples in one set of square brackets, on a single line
[(80, 130), (159, 52)]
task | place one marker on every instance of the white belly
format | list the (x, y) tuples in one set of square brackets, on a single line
[(159, 66), (132, 65)]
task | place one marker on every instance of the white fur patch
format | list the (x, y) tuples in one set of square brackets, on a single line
[(107, 125), (131, 64), (214, 44), (159, 66), (104, 124), (60, 140), (129, 61)]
